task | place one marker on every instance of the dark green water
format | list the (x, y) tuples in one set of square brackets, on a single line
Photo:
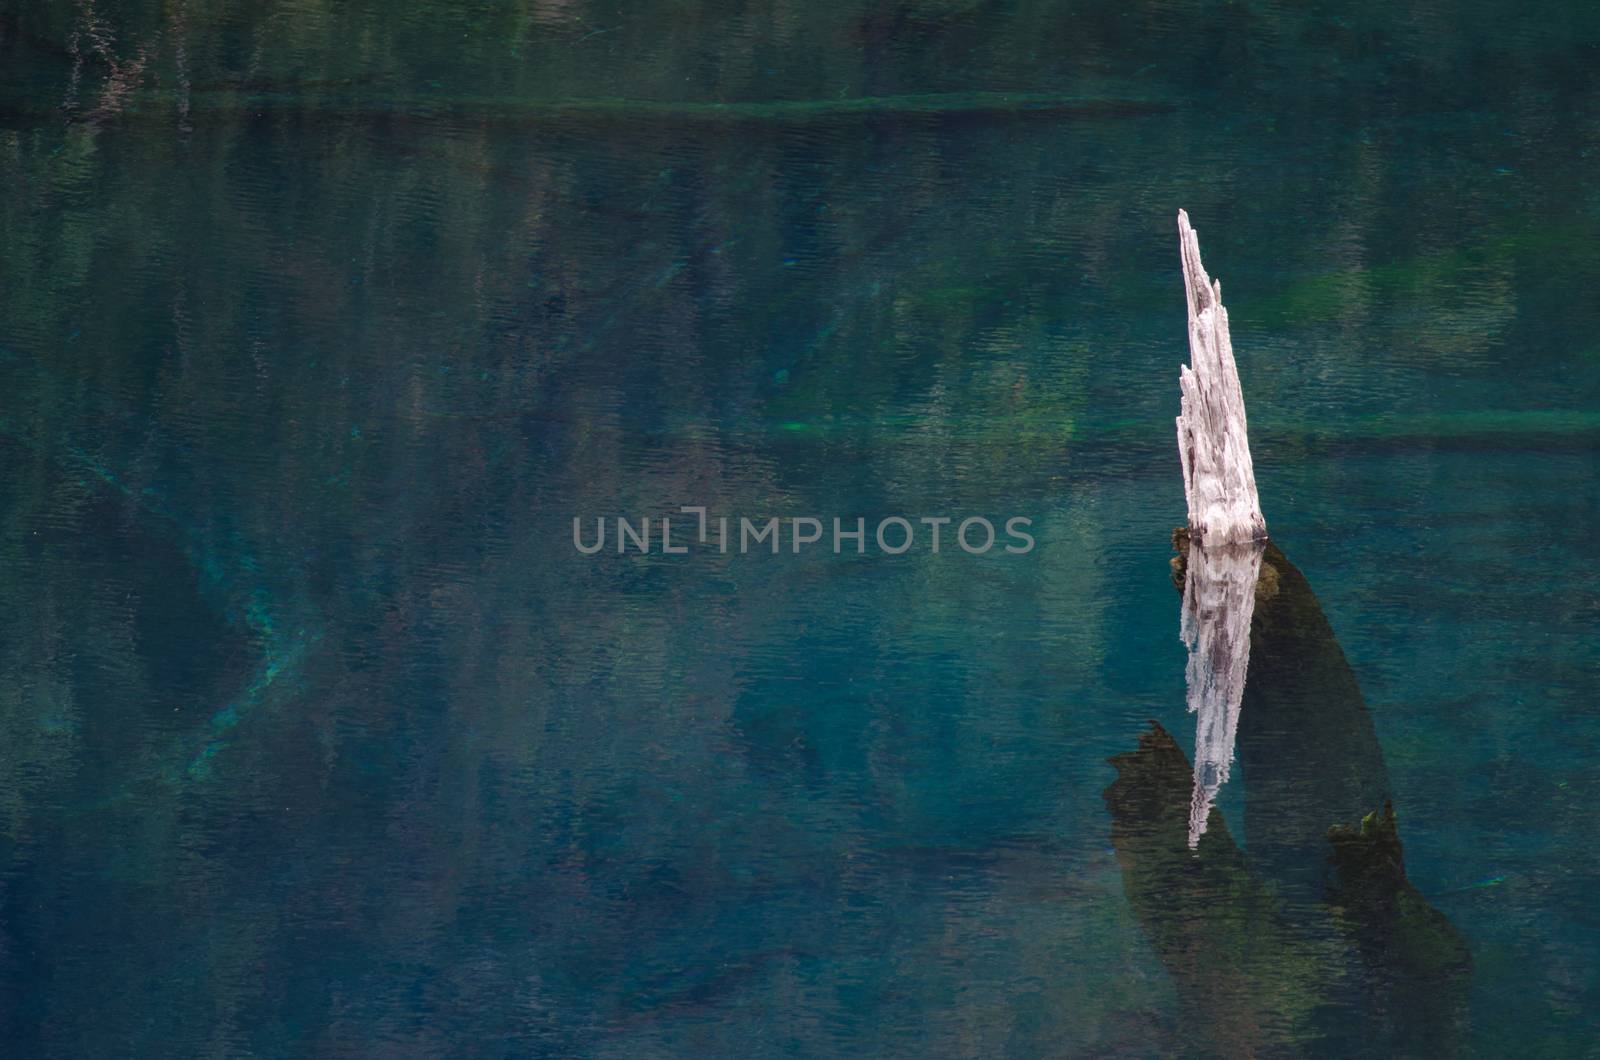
[(320, 321)]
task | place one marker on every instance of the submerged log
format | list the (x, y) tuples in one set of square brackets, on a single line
[(1418, 967), (350, 100), (1369, 969), (1307, 744), (1249, 980), (1219, 481)]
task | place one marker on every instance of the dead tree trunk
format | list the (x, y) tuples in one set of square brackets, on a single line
[(1219, 481)]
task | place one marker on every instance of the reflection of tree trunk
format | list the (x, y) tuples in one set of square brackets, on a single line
[(1219, 594)]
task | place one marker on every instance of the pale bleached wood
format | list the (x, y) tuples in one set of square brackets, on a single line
[(1219, 480), (1219, 600)]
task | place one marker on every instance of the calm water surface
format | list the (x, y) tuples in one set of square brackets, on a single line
[(320, 321)]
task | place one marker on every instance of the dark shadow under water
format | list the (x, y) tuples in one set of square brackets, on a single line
[(1312, 933)]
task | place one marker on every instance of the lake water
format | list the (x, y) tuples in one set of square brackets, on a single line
[(319, 323)]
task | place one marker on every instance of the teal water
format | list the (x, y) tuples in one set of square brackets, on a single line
[(319, 322)]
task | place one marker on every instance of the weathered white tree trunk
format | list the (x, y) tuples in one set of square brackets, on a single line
[(1219, 481)]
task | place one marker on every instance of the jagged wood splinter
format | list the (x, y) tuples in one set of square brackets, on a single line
[(1219, 481)]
